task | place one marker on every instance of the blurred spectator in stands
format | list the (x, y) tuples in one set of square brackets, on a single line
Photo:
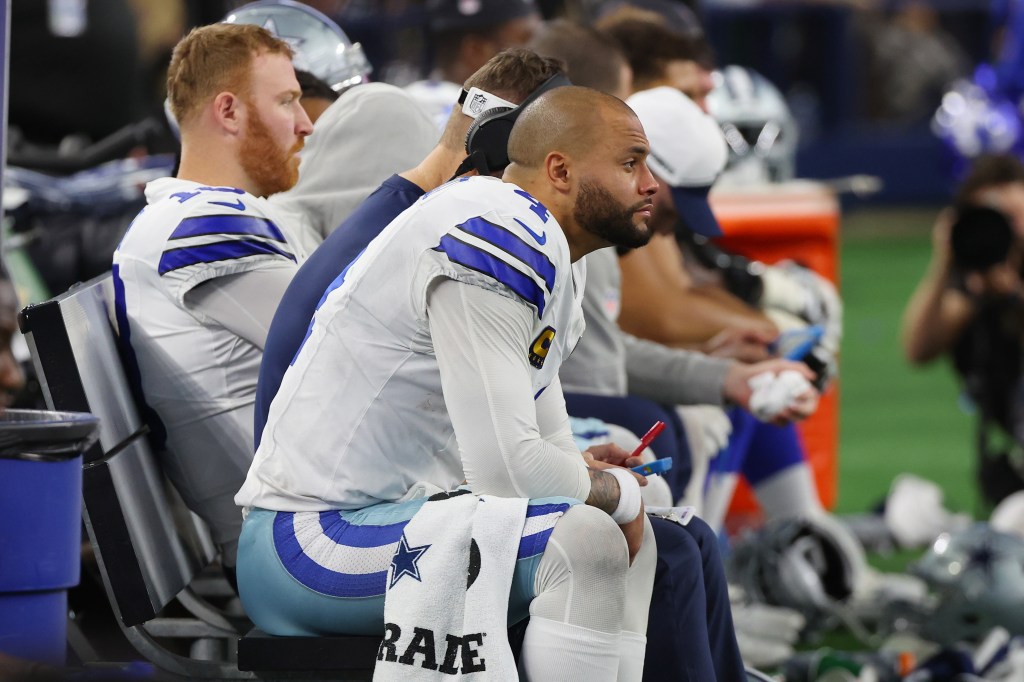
[(911, 62), (681, 16), (464, 34)]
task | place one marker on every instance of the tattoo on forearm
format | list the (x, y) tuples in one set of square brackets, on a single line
[(604, 491)]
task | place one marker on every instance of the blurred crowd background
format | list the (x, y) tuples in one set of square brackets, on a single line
[(863, 78)]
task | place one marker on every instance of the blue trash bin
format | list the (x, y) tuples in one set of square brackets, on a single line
[(40, 527)]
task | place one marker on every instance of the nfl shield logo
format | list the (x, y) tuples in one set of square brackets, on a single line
[(476, 105)]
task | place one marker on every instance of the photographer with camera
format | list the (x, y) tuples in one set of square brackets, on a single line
[(970, 305)]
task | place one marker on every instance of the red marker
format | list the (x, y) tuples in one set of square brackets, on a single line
[(648, 438)]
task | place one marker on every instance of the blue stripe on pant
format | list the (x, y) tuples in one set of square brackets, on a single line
[(321, 573), (758, 450)]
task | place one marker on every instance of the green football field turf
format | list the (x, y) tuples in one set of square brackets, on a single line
[(893, 417)]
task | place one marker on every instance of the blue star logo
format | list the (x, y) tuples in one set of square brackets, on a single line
[(404, 561)]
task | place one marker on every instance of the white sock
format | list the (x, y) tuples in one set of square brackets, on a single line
[(632, 648), (559, 651), (717, 497), (693, 495), (789, 493)]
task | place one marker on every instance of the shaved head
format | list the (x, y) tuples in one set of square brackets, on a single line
[(569, 119), (583, 155)]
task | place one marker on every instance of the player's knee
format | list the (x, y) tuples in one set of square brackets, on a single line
[(593, 543), (702, 534), (677, 549)]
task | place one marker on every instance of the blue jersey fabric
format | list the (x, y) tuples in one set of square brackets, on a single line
[(326, 263)]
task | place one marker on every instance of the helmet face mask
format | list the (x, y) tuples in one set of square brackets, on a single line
[(320, 46), (757, 125)]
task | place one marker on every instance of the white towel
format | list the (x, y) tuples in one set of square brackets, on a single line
[(497, 529), (436, 626), (773, 393)]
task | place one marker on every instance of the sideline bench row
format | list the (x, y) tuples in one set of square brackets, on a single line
[(150, 550)]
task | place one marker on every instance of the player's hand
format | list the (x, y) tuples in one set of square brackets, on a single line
[(737, 389), (1002, 279), (634, 533), (608, 455), (942, 251), (743, 344), (606, 495)]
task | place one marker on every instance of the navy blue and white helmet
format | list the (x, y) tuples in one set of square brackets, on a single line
[(320, 46), (976, 578), (758, 125)]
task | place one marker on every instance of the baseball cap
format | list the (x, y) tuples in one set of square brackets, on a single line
[(688, 152), (447, 15)]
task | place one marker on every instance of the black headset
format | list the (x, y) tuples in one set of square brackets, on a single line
[(487, 139)]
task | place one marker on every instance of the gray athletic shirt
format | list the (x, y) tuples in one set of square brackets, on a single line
[(608, 361)]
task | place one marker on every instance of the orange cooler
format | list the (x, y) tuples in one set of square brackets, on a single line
[(800, 221)]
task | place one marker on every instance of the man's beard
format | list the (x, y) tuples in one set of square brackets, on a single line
[(271, 168), (599, 213)]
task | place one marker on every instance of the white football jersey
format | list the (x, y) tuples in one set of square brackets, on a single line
[(360, 417), (198, 377)]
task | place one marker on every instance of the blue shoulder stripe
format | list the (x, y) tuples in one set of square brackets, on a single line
[(510, 243), (488, 264), (234, 249), (227, 224)]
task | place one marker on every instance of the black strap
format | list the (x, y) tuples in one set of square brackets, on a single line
[(464, 167)]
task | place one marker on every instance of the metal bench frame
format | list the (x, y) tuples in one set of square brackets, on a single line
[(150, 550)]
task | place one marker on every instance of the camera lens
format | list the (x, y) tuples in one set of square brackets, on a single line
[(980, 238)]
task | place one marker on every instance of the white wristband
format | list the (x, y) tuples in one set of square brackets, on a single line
[(629, 496)]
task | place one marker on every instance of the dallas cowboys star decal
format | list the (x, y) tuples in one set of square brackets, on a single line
[(295, 42), (404, 561)]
